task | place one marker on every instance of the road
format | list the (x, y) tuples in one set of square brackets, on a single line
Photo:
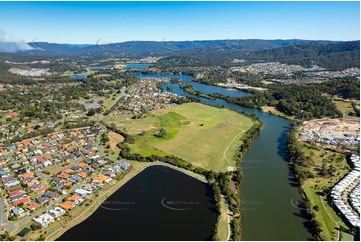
[(99, 117), (3, 214), (225, 151), (12, 226), (338, 226)]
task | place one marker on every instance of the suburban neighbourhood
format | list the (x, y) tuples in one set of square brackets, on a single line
[(44, 178), (180, 121)]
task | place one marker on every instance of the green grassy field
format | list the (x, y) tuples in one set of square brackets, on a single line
[(108, 102), (133, 126), (326, 216), (205, 136), (344, 106)]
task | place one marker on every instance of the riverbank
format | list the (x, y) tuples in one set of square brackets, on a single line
[(136, 169), (317, 171), (80, 213), (190, 90), (149, 201), (225, 182), (274, 111), (266, 109), (188, 132), (102, 196), (322, 222), (264, 159)]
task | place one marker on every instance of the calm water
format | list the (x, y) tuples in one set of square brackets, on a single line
[(158, 204), (268, 192), (136, 66), (208, 89), (78, 76)]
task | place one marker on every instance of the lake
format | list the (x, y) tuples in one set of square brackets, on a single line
[(159, 203)]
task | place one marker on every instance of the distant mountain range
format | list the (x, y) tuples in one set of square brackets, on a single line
[(329, 54), (168, 47)]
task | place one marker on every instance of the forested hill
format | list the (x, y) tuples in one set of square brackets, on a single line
[(328, 54), (166, 47), (332, 56), (335, 56)]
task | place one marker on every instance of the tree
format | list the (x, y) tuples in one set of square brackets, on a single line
[(35, 226), (91, 112), (324, 169), (161, 133), (316, 208)]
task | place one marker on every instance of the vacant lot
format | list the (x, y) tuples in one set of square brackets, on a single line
[(114, 139), (205, 136)]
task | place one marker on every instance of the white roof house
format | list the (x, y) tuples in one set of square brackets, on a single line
[(82, 192), (44, 220), (56, 212)]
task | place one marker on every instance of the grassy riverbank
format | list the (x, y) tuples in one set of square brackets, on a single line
[(318, 185), (195, 137), (318, 170), (190, 90), (274, 111)]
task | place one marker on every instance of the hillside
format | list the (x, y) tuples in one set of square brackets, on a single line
[(165, 47), (328, 54), (334, 56)]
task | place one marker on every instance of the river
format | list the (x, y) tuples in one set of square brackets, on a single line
[(269, 194), (143, 209)]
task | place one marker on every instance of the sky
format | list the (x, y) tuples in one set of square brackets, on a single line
[(109, 22)]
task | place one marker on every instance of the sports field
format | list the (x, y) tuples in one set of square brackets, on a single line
[(205, 136)]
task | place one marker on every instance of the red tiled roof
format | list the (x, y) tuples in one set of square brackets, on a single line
[(22, 200), (67, 205), (41, 189), (16, 192), (32, 205)]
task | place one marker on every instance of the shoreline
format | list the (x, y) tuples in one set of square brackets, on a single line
[(103, 196)]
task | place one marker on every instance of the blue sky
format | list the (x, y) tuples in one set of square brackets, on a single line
[(106, 22)]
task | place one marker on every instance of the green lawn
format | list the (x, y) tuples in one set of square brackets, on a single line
[(205, 136), (132, 126), (347, 237)]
